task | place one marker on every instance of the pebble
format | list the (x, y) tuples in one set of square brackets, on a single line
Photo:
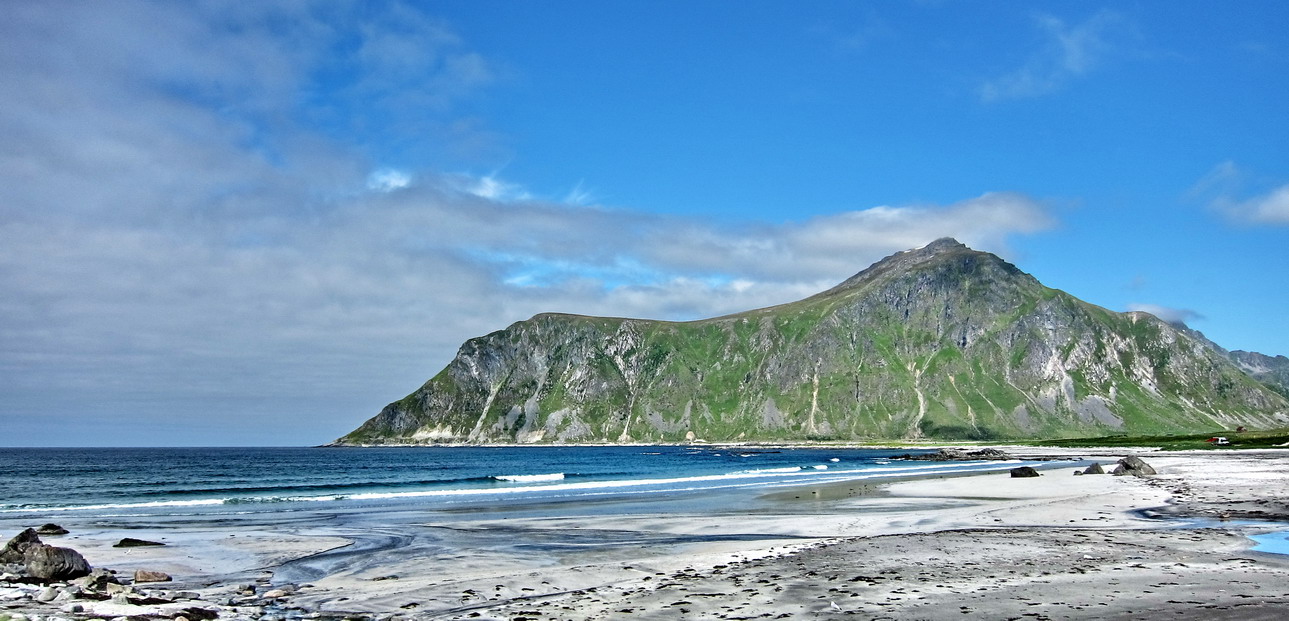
[(47, 595)]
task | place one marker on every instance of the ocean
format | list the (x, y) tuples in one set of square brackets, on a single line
[(446, 521), (85, 483)]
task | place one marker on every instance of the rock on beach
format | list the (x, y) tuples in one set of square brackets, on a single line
[(956, 454), (131, 542), (1133, 465), (53, 563), (16, 549), (51, 529), (144, 575)]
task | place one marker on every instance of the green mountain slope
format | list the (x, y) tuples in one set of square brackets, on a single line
[(939, 342)]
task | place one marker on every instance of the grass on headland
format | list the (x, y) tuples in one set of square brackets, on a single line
[(1274, 438)]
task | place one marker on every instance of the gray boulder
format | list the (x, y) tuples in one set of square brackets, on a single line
[(14, 551), (51, 529), (1024, 472), (1133, 465), (1094, 469), (98, 579), (51, 563)]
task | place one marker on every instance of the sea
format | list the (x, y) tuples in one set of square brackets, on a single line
[(361, 513), (120, 482)]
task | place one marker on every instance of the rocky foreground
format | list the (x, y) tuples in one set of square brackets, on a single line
[(42, 582)]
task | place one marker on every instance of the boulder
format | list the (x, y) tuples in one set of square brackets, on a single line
[(131, 542), (143, 575), (1094, 469), (14, 551), (1024, 472), (51, 529), (1134, 466), (98, 579), (52, 563), (200, 614)]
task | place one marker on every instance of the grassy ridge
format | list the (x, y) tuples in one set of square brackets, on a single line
[(1273, 438)]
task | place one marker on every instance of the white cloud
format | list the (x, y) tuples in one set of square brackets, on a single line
[(1269, 208), (1068, 52), (1222, 188), (175, 250), (1171, 315), (836, 246), (388, 180), (493, 188)]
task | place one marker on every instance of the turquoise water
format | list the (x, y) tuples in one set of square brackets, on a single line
[(114, 482)]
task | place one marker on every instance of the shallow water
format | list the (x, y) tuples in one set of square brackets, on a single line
[(1275, 543)]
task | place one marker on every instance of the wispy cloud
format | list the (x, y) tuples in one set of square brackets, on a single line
[(1224, 190), (1268, 208), (580, 195), (1171, 315), (1068, 51)]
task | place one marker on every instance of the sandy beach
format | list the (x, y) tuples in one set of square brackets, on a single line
[(981, 546)]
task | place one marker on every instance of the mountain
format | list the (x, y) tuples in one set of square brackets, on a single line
[(1273, 371), (939, 342), (1270, 370)]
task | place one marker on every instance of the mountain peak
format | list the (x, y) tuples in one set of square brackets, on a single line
[(905, 260), (942, 244)]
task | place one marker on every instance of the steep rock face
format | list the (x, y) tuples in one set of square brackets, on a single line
[(942, 342), (1270, 370)]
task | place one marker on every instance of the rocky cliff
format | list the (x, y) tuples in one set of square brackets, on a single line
[(939, 342), (1270, 370)]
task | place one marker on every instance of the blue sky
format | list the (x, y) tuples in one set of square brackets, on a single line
[(255, 223)]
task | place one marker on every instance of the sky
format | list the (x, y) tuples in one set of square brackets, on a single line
[(252, 223)]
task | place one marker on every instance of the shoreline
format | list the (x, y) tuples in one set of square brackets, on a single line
[(767, 556)]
